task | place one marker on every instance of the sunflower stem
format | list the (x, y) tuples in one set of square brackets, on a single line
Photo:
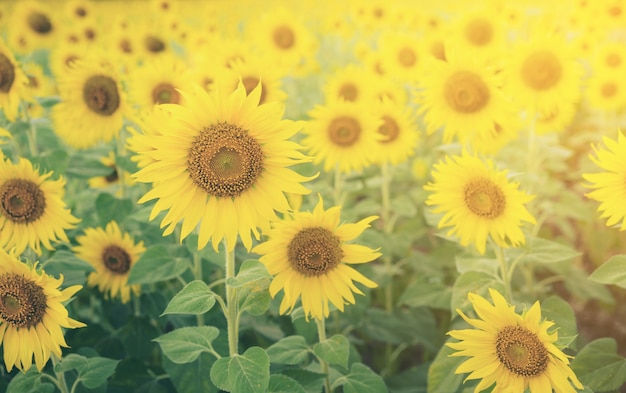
[(232, 316), (121, 152), (321, 332), (504, 272), (31, 134), (60, 379), (197, 273), (338, 187), (385, 196)]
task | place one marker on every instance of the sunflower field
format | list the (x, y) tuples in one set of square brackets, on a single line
[(353, 196)]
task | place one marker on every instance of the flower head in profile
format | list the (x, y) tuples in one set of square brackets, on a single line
[(515, 352), (608, 186), (478, 202), (310, 255), (219, 161), (112, 254), (13, 83), (32, 313), (32, 210)]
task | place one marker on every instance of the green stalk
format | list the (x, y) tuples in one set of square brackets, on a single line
[(197, 273), (338, 187), (60, 379), (31, 134), (321, 332), (232, 305), (505, 273)]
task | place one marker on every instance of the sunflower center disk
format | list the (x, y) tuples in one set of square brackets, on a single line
[(165, 93), (224, 160), (22, 301), (479, 32), (39, 22), (466, 92), (407, 57), (389, 130), (609, 89), (116, 259), (7, 74), (284, 37), (542, 70), (314, 251), (521, 351), (101, 95), (21, 201), (344, 131), (613, 60), (349, 92), (484, 198), (154, 44)]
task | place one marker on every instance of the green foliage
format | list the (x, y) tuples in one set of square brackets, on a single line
[(334, 350), (185, 344), (599, 367), (194, 298), (92, 371), (611, 272), (247, 373), (289, 350), (362, 379), (156, 265)]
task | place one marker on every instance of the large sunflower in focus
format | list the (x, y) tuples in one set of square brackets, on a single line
[(13, 83), (309, 256), (32, 210), (113, 254), (478, 202), (32, 314), (514, 352), (220, 162)]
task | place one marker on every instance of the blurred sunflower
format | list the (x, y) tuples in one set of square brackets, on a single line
[(609, 57), (464, 97), (608, 186), (116, 176), (514, 352), (309, 256), (350, 83), (478, 202), (606, 92), (32, 314), (62, 58), (478, 32), (220, 163), (343, 135), (78, 10), (398, 132), (93, 104), (112, 254), (555, 119), (34, 26), (13, 83), (251, 73), (402, 56), (32, 211)]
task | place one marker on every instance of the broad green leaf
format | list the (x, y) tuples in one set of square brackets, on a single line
[(194, 298), (185, 344), (71, 361), (310, 381), (192, 377), (219, 373), (97, 371), (475, 282), (404, 206), (30, 381), (362, 379), (110, 208), (289, 350), (334, 350), (51, 160), (257, 299), (251, 271), (612, 272), (560, 312), (481, 265), (84, 166), (250, 372), (156, 265), (402, 326), (539, 250), (283, 384), (599, 366), (421, 293), (64, 262), (441, 376)]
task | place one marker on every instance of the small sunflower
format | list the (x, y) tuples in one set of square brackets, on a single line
[(398, 132), (220, 162), (33, 26), (13, 83), (116, 176), (112, 254), (479, 32), (478, 202), (251, 73), (515, 352), (32, 211), (606, 92), (402, 56), (343, 135), (555, 119), (32, 314), (93, 104), (309, 256), (608, 186), (350, 83)]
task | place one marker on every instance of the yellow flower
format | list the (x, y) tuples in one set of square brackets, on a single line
[(478, 32), (32, 211), (350, 83), (13, 83), (252, 72), (478, 202), (309, 256), (608, 186), (402, 56), (33, 26), (516, 352), (112, 254), (32, 314), (606, 92), (398, 133), (219, 161), (116, 176)]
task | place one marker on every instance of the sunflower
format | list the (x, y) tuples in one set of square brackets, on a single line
[(402, 56), (32, 211), (32, 313), (93, 104), (609, 57), (220, 162), (252, 72), (116, 176), (343, 135), (479, 32), (13, 83), (608, 187), (464, 97), (478, 202), (33, 26), (555, 119), (398, 132), (606, 92), (309, 256), (350, 83), (515, 352), (112, 254)]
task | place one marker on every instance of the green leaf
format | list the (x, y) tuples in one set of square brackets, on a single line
[(310, 381), (110, 208), (251, 271), (441, 376), (250, 372), (539, 250), (422, 293), (84, 166), (404, 206), (289, 350), (97, 371), (219, 373), (612, 271), (257, 300), (362, 379), (475, 282), (599, 366), (334, 350), (156, 265), (185, 344), (192, 377), (71, 361), (64, 262), (283, 384), (482, 265), (53, 160), (560, 312), (30, 381), (194, 298)]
